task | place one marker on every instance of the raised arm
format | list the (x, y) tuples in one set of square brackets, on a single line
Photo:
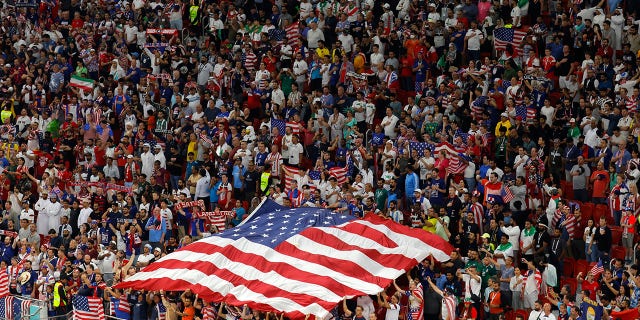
[(434, 287)]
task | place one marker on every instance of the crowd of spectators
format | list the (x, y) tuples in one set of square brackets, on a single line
[(524, 155)]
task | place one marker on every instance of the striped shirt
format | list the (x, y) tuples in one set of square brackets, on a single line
[(276, 161)]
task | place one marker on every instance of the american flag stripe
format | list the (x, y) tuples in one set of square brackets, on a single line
[(87, 308), (209, 313), (507, 195), (456, 166), (162, 311), (340, 174), (597, 269), (504, 36), (6, 306), (124, 305), (4, 284), (293, 32), (290, 174), (293, 260), (25, 308)]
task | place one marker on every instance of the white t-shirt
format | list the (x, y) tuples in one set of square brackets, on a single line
[(393, 312), (474, 41), (294, 153), (471, 285), (130, 32), (389, 124)]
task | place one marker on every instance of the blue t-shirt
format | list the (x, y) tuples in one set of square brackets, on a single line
[(238, 173)]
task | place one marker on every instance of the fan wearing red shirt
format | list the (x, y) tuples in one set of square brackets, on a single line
[(589, 284), (100, 153), (77, 22)]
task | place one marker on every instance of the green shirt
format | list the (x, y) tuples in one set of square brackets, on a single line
[(574, 132), (381, 196), (486, 272), (286, 84), (474, 263)]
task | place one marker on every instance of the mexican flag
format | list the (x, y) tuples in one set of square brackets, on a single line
[(82, 83)]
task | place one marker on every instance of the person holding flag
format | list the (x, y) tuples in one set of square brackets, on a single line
[(416, 300)]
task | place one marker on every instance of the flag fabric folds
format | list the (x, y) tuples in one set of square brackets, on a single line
[(6, 307), (87, 308), (280, 124), (597, 269), (503, 36), (82, 83), (340, 174), (290, 174), (21, 308), (299, 261), (456, 165), (4, 284), (506, 194)]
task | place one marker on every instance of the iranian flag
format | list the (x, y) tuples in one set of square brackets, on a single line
[(82, 83)]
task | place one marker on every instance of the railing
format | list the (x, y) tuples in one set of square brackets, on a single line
[(367, 138), (37, 310)]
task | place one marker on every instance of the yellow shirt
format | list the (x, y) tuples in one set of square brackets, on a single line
[(432, 229), (506, 124), (322, 52), (192, 148)]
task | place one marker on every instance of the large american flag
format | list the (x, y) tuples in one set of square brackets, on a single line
[(504, 36), (87, 308), (301, 261)]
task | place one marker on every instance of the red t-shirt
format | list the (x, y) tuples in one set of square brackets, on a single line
[(592, 287), (100, 154)]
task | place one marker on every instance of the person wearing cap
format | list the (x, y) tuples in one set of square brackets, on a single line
[(504, 122), (145, 257)]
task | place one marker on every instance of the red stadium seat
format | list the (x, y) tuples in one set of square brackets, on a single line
[(616, 235), (587, 210), (581, 266), (568, 265), (602, 210), (523, 313), (618, 252), (567, 189)]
